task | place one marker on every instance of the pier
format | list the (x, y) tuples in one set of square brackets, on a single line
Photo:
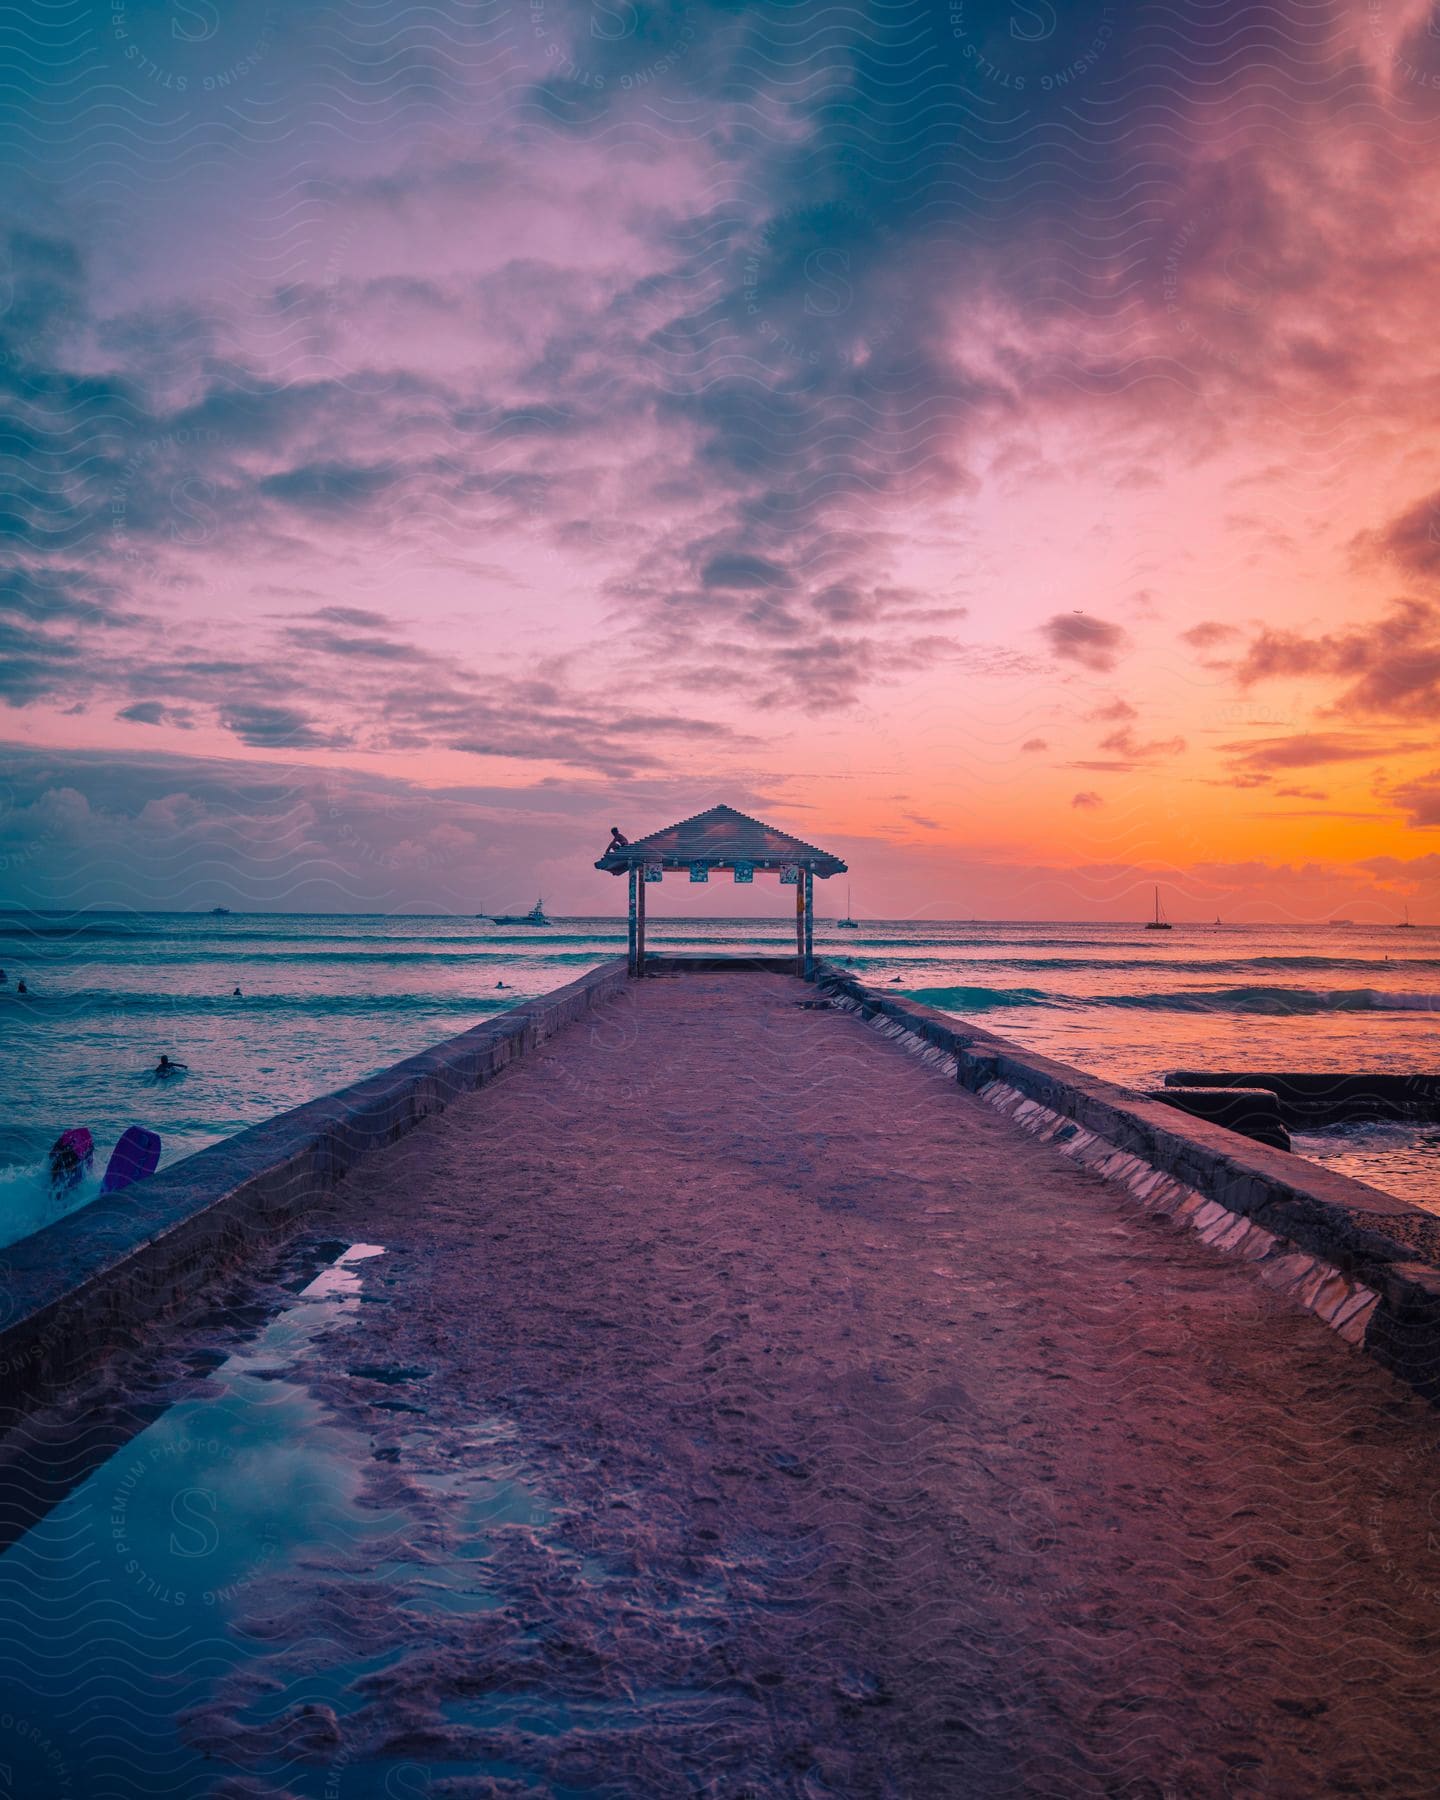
[(744, 1385)]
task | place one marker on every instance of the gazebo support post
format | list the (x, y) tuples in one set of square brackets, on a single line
[(809, 954), (633, 918), (639, 921), (800, 925)]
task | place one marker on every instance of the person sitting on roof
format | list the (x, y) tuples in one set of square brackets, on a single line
[(618, 840)]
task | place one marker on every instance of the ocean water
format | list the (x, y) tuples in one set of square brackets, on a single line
[(325, 1000)]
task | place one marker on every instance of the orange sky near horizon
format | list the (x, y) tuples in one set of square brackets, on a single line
[(545, 458)]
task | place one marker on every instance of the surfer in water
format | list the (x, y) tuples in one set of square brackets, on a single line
[(166, 1067)]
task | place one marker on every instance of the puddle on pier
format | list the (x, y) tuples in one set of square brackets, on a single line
[(146, 1648)]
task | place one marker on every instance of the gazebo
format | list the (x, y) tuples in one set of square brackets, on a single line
[(722, 839)]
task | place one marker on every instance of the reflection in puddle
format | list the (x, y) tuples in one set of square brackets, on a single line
[(143, 1593), (264, 1596)]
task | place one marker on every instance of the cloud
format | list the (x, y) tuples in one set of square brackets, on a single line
[(1092, 642), (1035, 743), (1389, 667), (278, 728), (330, 488), (1419, 799), (1208, 634), (152, 712), (1125, 743), (1088, 800), (1310, 749), (1412, 539), (723, 386)]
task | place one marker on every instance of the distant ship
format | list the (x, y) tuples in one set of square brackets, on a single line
[(847, 923), (1405, 924), (535, 916), (217, 912), (1159, 922)]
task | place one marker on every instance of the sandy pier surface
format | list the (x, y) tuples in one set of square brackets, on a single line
[(868, 1447)]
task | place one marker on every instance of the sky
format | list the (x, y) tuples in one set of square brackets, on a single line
[(996, 442)]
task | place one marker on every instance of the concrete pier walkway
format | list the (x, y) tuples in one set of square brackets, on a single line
[(887, 1452), (739, 1408)]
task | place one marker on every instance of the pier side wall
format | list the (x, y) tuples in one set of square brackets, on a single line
[(1366, 1262), (77, 1291)]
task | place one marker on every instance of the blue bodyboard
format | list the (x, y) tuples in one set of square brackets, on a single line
[(132, 1159)]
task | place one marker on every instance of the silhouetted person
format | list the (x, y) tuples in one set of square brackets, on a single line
[(618, 840), (166, 1067), (22, 989), (237, 995)]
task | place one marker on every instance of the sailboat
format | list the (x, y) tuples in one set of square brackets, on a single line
[(847, 923), (1159, 922), (535, 916), (1405, 924)]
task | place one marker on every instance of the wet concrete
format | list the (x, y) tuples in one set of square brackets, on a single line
[(740, 1408)]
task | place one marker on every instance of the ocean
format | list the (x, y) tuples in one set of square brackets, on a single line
[(326, 999)]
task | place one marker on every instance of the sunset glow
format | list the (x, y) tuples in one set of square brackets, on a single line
[(998, 445)]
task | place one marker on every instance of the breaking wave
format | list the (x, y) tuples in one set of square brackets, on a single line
[(1273, 1000)]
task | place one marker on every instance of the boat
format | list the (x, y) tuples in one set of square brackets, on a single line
[(1405, 924), (535, 916), (1218, 919), (847, 923), (1159, 922), (219, 912)]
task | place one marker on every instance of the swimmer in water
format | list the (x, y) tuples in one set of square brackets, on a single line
[(502, 984), (166, 1067), (22, 989), (237, 995)]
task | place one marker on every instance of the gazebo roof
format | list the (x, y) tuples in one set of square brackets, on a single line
[(719, 838)]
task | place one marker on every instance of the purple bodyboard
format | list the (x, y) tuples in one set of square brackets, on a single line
[(132, 1159)]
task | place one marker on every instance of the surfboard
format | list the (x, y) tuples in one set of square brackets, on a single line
[(132, 1159)]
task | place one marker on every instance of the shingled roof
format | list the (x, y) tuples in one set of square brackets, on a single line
[(720, 838)]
